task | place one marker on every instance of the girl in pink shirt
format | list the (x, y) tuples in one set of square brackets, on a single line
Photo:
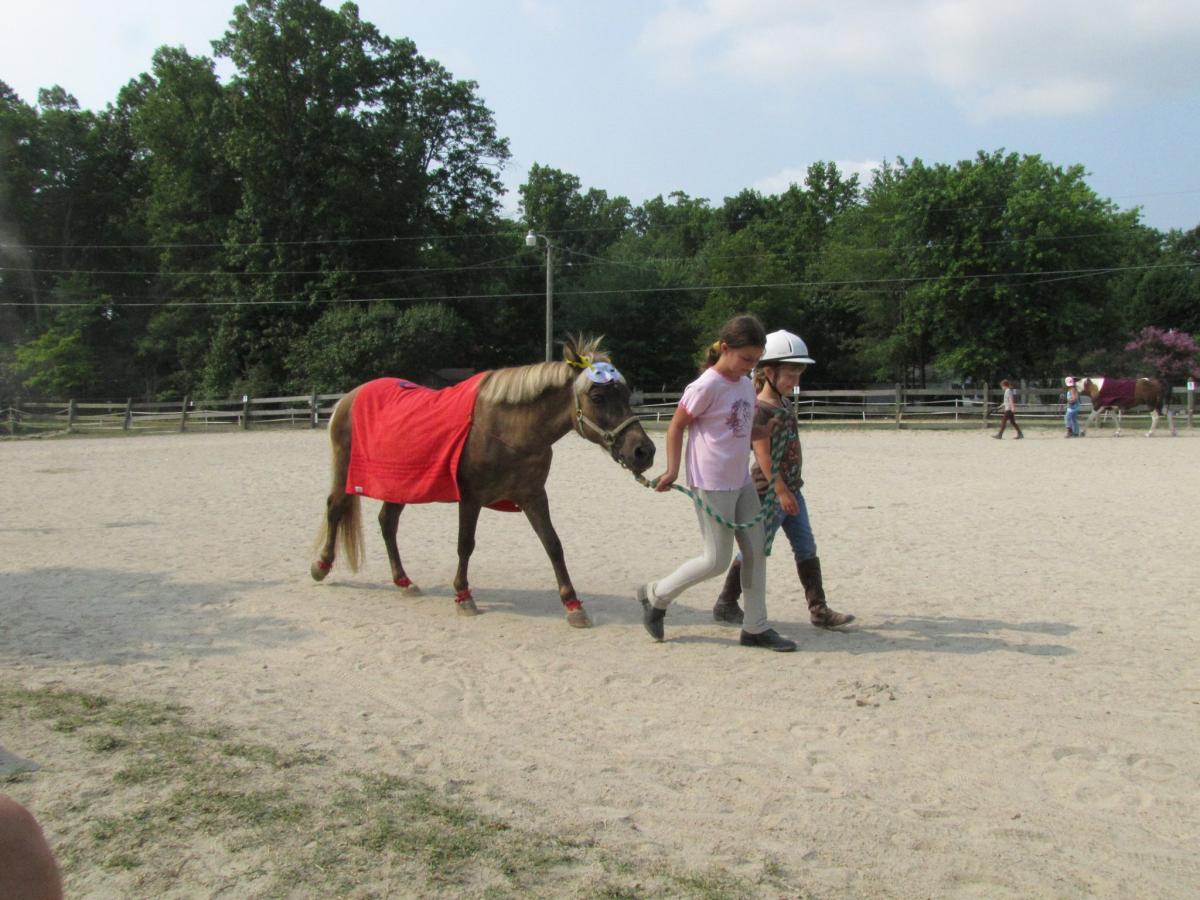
[(717, 412)]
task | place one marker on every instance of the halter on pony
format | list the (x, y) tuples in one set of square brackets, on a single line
[(599, 373)]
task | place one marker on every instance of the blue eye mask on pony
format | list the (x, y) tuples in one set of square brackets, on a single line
[(602, 373)]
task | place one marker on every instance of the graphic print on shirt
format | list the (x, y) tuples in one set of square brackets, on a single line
[(739, 417)]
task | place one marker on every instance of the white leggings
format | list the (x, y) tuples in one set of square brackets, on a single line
[(734, 506)]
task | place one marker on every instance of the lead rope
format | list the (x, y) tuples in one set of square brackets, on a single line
[(779, 443)]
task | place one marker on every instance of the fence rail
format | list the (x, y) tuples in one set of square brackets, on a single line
[(896, 405)]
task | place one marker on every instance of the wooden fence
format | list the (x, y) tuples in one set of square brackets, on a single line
[(894, 406)]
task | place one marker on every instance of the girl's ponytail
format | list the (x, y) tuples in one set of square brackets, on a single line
[(742, 330)]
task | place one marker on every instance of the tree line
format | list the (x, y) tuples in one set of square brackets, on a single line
[(333, 212)]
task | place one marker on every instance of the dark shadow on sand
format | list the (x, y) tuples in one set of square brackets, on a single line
[(50, 616)]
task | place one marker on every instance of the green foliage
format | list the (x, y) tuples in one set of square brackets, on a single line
[(330, 214), (352, 344)]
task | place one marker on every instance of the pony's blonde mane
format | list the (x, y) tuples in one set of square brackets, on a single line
[(523, 384)]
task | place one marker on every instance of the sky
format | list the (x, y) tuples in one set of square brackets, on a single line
[(641, 98)]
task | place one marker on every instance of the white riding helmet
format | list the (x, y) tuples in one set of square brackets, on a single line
[(785, 347)]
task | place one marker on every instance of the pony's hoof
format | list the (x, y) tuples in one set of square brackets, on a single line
[(319, 570), (467, 607), (578, 618), (407, 587)]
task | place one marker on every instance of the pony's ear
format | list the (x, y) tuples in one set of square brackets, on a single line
[(571, 350)]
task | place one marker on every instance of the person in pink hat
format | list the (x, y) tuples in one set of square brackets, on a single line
[(1072, 415)]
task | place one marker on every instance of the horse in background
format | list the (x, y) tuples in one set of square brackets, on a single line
[(1124, 394), (485, 442)]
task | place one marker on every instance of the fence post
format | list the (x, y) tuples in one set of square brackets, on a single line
[(987, 403), (899, 402), (70, 415), (1191, 400), (12, 417), (128, 423), (245, 411), (183, 414), (312, 406)]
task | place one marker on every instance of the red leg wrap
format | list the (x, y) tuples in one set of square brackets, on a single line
[(572, 605), (463, 595), (402, 581), (324, 566)]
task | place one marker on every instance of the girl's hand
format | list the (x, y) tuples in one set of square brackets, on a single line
[(787, 502), (664, 481)]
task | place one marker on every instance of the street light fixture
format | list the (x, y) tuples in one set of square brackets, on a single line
[(531, 241)]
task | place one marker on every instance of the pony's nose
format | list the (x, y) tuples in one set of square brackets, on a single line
[(643, 454)]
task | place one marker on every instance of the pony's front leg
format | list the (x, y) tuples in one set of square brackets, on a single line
[(537, 511), (468, 519), (389, 519)]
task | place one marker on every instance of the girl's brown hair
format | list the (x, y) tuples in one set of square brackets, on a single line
[(742, 330)]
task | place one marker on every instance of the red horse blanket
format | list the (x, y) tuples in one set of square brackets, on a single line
[(406, 440), (1116, 392)]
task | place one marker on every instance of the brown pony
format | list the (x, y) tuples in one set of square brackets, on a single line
[(1123, 394), (518, 414)]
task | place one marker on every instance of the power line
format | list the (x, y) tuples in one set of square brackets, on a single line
[(882, 283), (492, 263), (517, 232)]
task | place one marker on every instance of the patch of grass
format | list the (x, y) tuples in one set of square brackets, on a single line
[(710, 886), (105, 743), (270, 755), (280, 817)]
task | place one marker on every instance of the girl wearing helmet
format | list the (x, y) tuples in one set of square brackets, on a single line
[(779, 371)]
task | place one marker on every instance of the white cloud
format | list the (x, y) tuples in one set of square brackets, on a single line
[(993, 59), (782, 180)]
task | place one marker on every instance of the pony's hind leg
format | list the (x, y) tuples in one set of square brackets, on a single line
[(468, 519), (389, 519), (336, 507)]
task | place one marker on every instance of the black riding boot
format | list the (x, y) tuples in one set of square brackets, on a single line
[(818, 612), (726, 608)]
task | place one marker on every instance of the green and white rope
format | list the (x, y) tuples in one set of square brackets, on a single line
[(779, 443)]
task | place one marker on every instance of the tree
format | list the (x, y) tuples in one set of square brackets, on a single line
[(1172, 355), (338, 135)]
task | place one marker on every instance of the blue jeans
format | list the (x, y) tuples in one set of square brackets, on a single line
[(797, 528), (1072, 419)]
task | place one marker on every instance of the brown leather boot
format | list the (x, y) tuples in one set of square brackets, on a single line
[(726, 608), (818, 612)]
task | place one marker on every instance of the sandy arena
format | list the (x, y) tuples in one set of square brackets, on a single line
[(1016, 712)]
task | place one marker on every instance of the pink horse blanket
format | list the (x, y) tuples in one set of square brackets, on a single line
[(406, 441), (1116, 392)]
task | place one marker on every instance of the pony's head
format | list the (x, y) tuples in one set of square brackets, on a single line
[(602, 411)]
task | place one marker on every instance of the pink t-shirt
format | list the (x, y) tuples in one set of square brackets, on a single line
[(718, 450)]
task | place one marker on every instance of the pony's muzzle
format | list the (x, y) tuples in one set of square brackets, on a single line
[(637, 451)]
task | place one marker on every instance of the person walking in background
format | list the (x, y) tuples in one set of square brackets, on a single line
[(1008, 411), (777, 374), (1072, 415), (717, 412)]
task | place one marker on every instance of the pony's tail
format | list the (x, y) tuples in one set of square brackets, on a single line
[(350, 533), (350, 522)]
